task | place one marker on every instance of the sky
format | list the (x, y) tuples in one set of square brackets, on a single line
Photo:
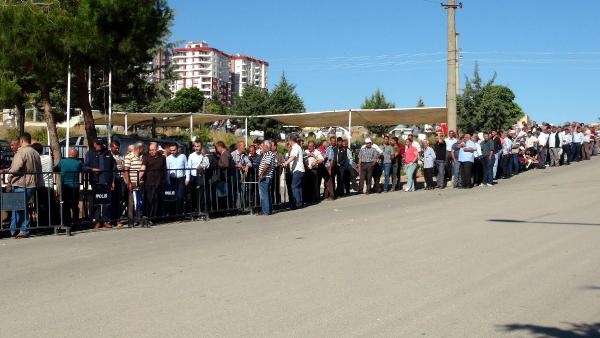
[(337, 52)]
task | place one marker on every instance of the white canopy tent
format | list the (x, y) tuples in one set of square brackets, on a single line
[(349, 117), (363, 117)]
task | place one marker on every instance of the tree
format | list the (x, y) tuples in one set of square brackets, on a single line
[(34, 61), (253, 101), (284, 100), (112, 35), (420, 103), (186, 100), (486, 106), (377, 101), (214, 105)]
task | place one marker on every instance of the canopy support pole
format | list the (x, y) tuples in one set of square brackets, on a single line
[(109, 106), (191, 126), (126, 125), (349, 127), (246, 130), (66, 151)]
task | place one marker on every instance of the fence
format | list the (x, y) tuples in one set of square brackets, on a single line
[(55, 204)]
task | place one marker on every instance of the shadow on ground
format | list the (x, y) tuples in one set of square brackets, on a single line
[(574, 331), (541, 222)]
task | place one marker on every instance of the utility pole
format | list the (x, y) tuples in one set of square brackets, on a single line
[(451, 88), (457, 65)]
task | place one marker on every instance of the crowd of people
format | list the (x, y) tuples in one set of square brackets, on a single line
[(143, 187)]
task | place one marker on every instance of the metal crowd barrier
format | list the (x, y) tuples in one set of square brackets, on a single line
[(219, 192)]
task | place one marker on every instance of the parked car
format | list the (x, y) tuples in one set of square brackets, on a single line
[(127, 140), (6, 154), (336, 131)]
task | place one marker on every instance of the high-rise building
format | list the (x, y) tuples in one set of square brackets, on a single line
[(215, 72), (204, 67), (246, 71), (158, 65)]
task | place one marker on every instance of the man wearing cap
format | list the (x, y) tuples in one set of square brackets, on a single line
[(100, 166), (366, 159)]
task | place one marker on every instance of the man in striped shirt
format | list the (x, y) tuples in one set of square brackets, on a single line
[(265, 174), (132, 167), (366, 159)]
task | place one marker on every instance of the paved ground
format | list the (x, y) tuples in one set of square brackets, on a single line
[(519, 259)]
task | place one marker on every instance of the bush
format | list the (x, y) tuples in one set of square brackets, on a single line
[(12, 134), (40, 135), (202, 134), (227, 138)]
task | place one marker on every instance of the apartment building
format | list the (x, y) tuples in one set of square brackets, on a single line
[(199, 65), (246, 71), (215, 72), (157, 66)]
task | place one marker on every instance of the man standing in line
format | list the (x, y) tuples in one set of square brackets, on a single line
[(428, 163), (456, 175), (577, 144), (349, 167), (554, 143), (70, 171), (194, 178), (330, 170), (265, 174), (101, 167), (366, 159), (466, 158), (314, 159), (452, 170), (387, 152), (176, 165), (507, 147), (440, 161), (487, 154), (296, 163), (132, 167), (567, 140), (24, 176), (118, 195), (341, 160), (242, 164), (153, 173), (397, 162), (542, 146)]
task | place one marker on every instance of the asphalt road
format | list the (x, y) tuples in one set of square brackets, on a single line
[(519, 259)]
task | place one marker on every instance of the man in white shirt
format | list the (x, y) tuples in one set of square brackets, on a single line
[(296, 163), (542, 145), (566, 142), (554, 145), (314, 159), (577, 144), (530, 141), (450, 158), (197, 164), (176, 165)]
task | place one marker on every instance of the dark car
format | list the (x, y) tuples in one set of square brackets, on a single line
[(127, 140), (6, 154)]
